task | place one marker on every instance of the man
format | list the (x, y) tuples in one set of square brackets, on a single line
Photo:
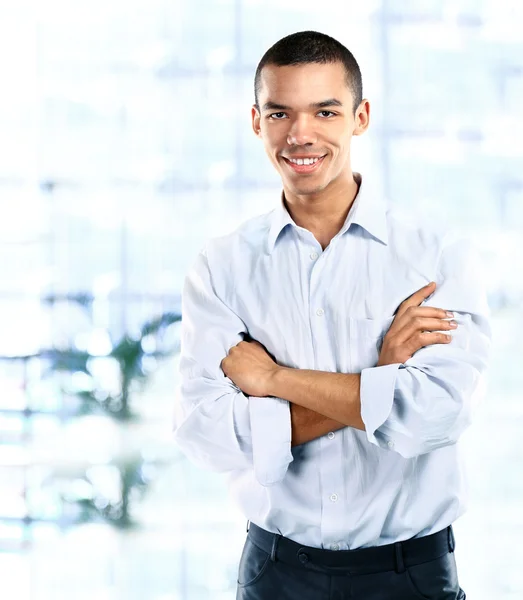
[(311, 374)]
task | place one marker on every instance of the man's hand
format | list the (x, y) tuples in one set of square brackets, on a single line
[(250, 367), (412, 327)]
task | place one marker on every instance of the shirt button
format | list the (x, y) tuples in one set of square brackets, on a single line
[(320, 312), (335, 547), (331, 435), (334, 497), (390, 444), (313, 255)]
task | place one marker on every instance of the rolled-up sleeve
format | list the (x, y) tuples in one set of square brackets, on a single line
[(428, 401), (216, 425)]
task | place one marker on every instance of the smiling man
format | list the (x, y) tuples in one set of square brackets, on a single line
[(309, 142), (310, 372)]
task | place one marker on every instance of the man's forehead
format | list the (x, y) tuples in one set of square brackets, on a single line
[(280, 84)]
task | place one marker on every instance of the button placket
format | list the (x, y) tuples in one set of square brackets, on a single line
[(333, 509)]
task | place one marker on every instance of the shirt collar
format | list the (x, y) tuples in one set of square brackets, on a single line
[(368, 211)]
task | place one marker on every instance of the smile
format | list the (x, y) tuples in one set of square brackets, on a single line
[(304, 165)]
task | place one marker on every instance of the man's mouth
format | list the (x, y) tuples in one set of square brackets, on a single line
[(304, 164)]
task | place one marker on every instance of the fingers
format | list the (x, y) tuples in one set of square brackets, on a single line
[(417, 298), (410, 308), (415, 327), (405, 350), (422, 338), (413, 314), (419, 324)]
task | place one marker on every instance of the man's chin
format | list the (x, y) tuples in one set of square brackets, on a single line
[(304, 189)]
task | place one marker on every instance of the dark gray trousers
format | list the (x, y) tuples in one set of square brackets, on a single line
[(273, 567)]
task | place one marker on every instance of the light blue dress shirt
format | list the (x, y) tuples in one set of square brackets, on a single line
[(328, 310)]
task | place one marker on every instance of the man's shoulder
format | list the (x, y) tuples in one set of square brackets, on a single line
[(420, 227), (247, 238)]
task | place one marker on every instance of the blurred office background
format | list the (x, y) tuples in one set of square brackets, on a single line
[(125, 143)]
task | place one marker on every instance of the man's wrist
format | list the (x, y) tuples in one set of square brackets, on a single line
[(274, 382)]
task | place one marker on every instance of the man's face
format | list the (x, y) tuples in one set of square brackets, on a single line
[(306, 112)]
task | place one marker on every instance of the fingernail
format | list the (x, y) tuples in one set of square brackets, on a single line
[(450, 314), (453, 323)]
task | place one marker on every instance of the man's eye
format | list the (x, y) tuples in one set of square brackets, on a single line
[(277, 115), (329, 112)]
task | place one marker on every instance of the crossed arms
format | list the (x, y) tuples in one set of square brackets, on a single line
[(411, 408)]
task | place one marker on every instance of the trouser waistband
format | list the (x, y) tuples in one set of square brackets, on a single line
[(396, 556)]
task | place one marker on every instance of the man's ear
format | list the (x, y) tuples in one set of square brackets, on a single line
[(362, 118), (256, 117)]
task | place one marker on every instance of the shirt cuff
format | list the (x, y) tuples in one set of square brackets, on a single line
[(377, 396), (271, 433)]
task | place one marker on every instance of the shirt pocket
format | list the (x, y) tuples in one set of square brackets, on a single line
[(366, 337)]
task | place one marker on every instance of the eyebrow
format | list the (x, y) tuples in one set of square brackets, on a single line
[(330, 102)]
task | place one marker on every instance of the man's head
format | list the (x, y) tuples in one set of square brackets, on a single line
[(308, 103), (306, 47)]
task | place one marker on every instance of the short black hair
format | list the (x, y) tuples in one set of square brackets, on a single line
[(305, 47)]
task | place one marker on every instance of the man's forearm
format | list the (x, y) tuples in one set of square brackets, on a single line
[(308, 425), (333, 395)]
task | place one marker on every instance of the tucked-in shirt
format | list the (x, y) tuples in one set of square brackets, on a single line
[(328, 310)]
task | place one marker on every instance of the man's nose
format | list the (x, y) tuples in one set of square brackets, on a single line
[(301, 132)]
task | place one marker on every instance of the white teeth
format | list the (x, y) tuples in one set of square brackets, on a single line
[(304, 161)]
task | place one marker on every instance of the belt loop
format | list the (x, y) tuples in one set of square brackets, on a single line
[(450, 538), (398, 551), (275, 541), (248, 524)]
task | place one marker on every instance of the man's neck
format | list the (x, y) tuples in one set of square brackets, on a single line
[(325, 213)]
